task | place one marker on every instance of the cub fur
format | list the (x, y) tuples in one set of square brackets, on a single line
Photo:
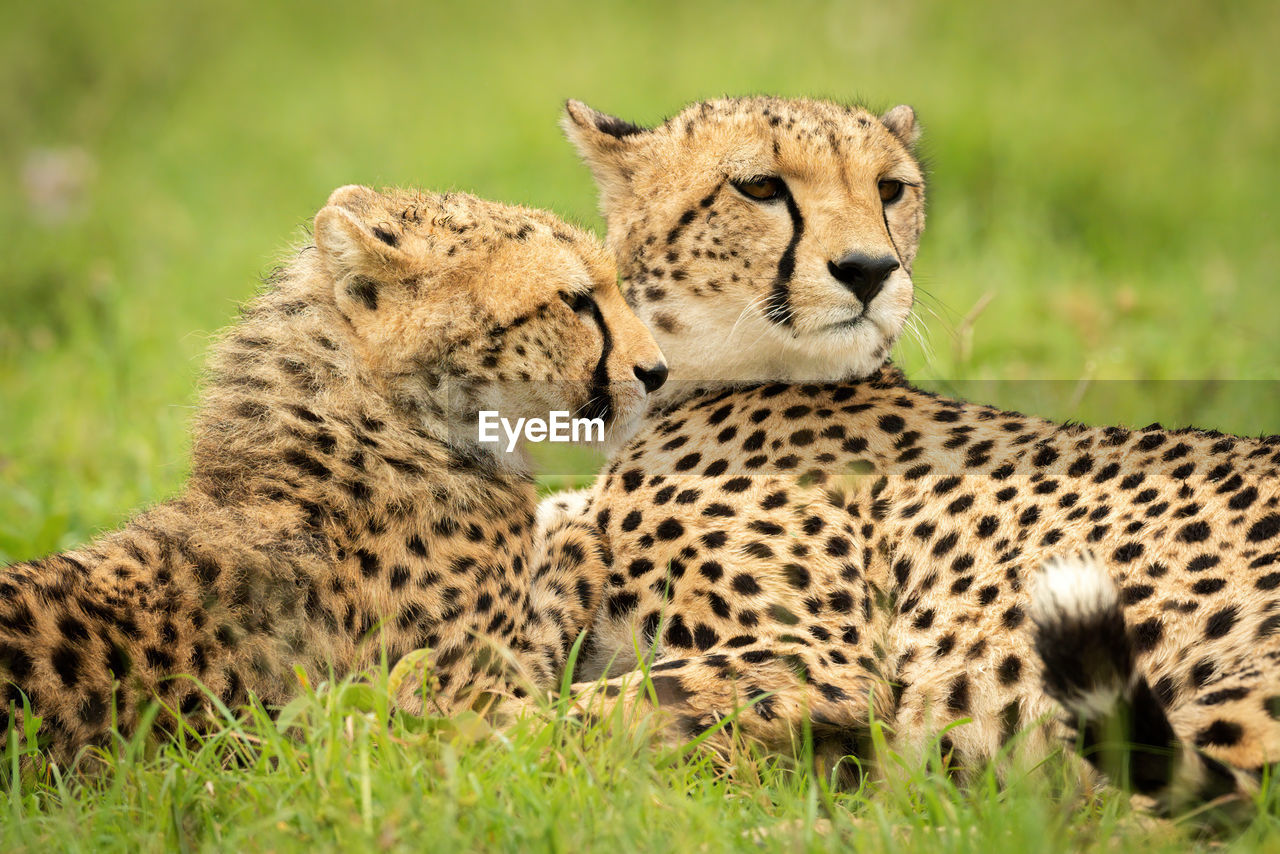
[(339, 506)]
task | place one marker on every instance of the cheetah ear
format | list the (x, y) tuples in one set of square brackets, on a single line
[(604, 141), (589, 128), (901, 122), (347, 245), (353, 197)]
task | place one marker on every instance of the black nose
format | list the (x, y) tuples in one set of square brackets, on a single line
[(653, 378), (863, 274)]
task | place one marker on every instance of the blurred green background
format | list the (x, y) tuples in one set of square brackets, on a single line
[(1103, 194)]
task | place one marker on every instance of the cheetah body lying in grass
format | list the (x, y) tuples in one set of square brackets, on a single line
[(804, 541), (339, 508)]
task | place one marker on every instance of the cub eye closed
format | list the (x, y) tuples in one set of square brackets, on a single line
[(890, 191), (578, 302), (766, 189)]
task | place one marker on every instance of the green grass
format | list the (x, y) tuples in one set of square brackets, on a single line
[(337, 771), (1103, 180)]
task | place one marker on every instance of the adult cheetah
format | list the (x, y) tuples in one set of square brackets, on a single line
[(818, 547), (339, 506)]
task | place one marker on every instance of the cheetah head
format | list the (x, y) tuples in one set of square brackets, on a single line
[(456, 305), (762, 238)]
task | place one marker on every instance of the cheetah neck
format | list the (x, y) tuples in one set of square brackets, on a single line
[(292, 416)]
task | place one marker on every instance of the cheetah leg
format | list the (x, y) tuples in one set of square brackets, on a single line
[(771, 695), (564, 574)]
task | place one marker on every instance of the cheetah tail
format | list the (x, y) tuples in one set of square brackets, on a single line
[(1123, 730)]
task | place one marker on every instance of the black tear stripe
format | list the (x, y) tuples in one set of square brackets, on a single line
[(777, 304), (884, 217), (599, 402)]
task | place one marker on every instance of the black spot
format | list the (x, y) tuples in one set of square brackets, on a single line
[(622, 603), (1243, 499), (1010, 670), (1013, 617), (714, 539), (1128, 553), (958, 695), (1194, 532), (399, 576), (704, 637), (797, 576), (1221, 622), (1150, 442), (773, 501), (1082, 466), (1265, 528), (1165, 690), (1220, 733), (687, 462), (1203, 562), (1135, 593), (1201, 673), (66, 663), (1044, 457), (1147, 634), (388, 237), (640, 566), (678, 635), (892, 423), (669, 529), (1226, 695), (369, 563), (364, 290)]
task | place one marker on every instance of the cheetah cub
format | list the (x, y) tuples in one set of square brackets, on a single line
[(339, 503)]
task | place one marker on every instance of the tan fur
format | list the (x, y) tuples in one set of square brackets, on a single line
[(830, 550), (338, 508)]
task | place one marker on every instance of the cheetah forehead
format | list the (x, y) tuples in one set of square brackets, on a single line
[(457, 212), (802, 120)]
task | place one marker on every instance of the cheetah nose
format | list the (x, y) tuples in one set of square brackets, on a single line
[(653, 378), (863, 274)]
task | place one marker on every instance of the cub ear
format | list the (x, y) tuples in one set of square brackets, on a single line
[(346, 244), (901, 122), (353, 197), (604, 141)]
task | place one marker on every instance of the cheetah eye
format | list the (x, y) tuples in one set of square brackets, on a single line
[(765, 189), (579, 302), (890, 191)]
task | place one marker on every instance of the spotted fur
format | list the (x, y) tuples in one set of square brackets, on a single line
[(819, 547), (339, 507)]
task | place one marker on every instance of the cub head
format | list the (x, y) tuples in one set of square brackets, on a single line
[(762, 238), (457, 305)]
